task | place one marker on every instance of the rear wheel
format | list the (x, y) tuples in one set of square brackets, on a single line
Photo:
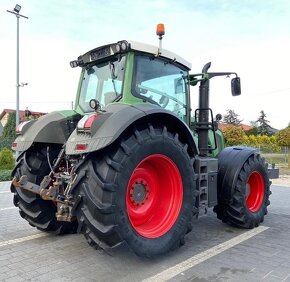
[(139, 190), (250, 196), (152, 210), (39, 213)]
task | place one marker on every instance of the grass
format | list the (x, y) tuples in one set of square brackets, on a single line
[(280, 161), (284, 170), (276, 158)]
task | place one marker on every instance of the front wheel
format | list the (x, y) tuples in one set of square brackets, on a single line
[(250, 196), (139, 190)]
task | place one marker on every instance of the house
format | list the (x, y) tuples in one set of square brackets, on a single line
[(5, 114), (244, 127)]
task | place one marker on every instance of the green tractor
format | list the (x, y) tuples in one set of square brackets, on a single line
[(132, 163)]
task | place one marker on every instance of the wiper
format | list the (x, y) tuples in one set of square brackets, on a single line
[(113, 77)]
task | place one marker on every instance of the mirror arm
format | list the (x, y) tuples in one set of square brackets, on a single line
[(213, 74)]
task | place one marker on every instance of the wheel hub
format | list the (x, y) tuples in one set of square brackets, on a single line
[(139, 193)]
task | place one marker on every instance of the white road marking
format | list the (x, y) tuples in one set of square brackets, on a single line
[(267, 274), (201, 257), (286, 278), (2, 192), (22, 239), (10, 208)]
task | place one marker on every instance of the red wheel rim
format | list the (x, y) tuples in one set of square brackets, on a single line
[(154, 196), (255, 190)]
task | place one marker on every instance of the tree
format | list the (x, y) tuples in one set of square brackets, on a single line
[(9, 133), (283, 139), (264, 127), (234, 135), (232, 118), (254, 130)]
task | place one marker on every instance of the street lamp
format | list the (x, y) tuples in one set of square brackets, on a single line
[(16, 11)]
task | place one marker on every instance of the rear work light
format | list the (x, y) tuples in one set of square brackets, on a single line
[(84, 125), (74, 64)]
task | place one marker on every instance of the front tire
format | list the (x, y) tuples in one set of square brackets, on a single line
[(140, 190), (250, 196)]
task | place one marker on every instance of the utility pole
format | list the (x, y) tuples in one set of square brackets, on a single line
[(16, 11)]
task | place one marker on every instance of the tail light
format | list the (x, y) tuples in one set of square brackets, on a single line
[(84, 125), (20, 126)]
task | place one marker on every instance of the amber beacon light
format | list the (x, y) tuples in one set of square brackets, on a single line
[(160, 30)]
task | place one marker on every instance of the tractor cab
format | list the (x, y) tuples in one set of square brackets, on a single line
[(133, 73)]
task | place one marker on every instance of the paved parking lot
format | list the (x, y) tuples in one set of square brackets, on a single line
[(213, 251)]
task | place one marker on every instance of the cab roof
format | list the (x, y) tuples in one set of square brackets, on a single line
[(124, 46), (151, 49)]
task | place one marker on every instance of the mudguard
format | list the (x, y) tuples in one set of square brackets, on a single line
[(231, 160), (116, 119), (54, 128)]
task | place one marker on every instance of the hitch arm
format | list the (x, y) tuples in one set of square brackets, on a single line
[(50, 194), (26, 185)]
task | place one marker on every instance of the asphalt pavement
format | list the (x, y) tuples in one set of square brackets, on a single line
[(213, 251)]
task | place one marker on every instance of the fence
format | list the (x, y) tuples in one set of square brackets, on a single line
[(280, 158)]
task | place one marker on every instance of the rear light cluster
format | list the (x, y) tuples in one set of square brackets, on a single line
[(19, 129), (84, 125), (20, 126)]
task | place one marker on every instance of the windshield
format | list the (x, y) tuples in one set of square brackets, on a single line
[(161, 82), (102, 82)]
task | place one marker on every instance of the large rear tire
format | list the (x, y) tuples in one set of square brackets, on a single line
[(39, 213), (140, 190), (250, 196)]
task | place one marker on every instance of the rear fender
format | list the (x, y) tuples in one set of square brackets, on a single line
[(116, 119), (52, 128), (231, 160)]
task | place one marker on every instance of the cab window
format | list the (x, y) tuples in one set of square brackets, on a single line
[(162, 83), (103, 82)]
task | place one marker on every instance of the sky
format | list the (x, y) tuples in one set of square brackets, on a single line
[(250, 37)]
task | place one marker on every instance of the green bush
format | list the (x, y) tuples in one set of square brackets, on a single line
[(9, 133), (7, 160), (5, 175), (234, 135)]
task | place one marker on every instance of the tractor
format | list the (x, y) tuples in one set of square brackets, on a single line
[(132, 163)]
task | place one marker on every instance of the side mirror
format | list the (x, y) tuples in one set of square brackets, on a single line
[(218, 117), (236, 86)]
